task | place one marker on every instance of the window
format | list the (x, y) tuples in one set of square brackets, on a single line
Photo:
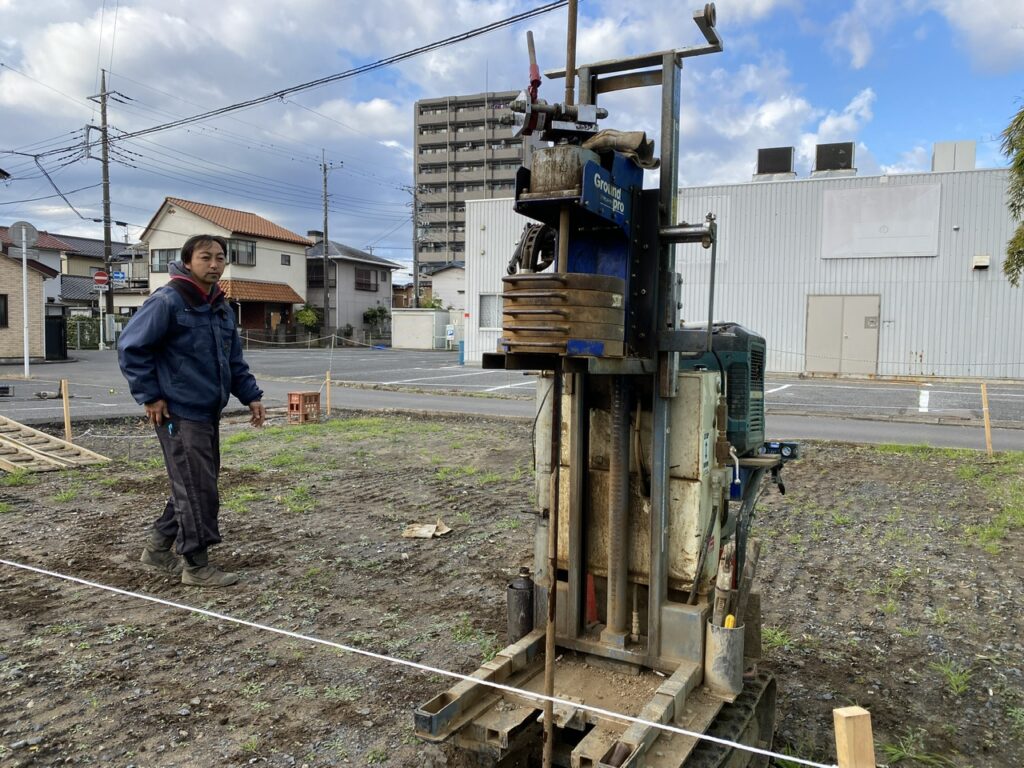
[(159, 258), (490, 310), (366, 279), (242, 252), (286, 259), (3, 310)]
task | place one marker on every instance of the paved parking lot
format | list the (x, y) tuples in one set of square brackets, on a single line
[(100, 390)]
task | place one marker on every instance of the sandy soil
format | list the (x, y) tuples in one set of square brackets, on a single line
[(891, 579)]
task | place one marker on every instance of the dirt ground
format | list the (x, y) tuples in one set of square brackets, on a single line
[(891, 578)]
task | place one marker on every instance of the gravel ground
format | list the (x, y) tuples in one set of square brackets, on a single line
[(891, 578)]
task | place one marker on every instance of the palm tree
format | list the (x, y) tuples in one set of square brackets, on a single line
[(1013, 147)]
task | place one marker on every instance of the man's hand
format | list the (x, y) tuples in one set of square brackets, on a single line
[(259, 413), (157, 412)]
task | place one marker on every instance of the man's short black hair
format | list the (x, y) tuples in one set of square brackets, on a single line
[(192, 242)]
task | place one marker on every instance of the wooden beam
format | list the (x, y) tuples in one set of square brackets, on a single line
[(855, 746)]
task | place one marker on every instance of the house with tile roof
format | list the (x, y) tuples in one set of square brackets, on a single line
[(46, 251), (12, 319), (84, 257), (357, 280), (265, 276)]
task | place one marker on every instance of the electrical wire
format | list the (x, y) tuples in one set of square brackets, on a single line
[(350, 73), (488, 683)]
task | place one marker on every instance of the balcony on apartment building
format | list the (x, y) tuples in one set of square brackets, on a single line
[(433, 118)]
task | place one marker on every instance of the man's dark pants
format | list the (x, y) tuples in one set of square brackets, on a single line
[(192, 456)]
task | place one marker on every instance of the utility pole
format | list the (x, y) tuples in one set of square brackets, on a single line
[(325, 244), (107, 248), (415, 245)]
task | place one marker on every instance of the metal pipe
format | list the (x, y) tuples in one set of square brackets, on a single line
[(562, 260), (711, 283), (570, 54), (618, 511), (549, 639)]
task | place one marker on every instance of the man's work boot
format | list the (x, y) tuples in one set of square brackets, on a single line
[(207, 576), (158, 554)]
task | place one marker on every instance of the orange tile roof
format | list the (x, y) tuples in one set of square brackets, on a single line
[(259, 290), (46, 241), (239, 222)]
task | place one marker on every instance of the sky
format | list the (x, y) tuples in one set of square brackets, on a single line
[(893, 76)]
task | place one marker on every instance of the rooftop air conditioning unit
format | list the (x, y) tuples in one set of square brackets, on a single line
[(834, 159), (775, 163)]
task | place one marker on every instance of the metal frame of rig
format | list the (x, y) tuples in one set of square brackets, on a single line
[(650, 458)]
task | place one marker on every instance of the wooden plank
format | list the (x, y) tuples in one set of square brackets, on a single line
[(855, 746), (27, 449)]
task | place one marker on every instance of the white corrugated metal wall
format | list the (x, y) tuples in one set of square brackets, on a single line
[(492, 231), (938, 315)]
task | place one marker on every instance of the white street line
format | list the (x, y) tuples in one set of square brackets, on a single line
[(777, 389), (922, 401), (433, 378), (530, 383)]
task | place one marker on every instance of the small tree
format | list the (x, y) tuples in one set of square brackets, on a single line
[(309, 318), (376, 317), (1013, 147)]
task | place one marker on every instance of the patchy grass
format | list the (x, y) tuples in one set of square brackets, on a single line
[(239, 499), (18, 479), (957, 677)]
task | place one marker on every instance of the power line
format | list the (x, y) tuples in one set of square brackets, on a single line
[(354, 72), (48, 197)]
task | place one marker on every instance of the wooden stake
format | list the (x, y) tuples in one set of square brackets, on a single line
[(855, 746), (988, 421), (67, 409), (328, 391)]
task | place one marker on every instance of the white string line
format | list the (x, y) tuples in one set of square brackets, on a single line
[(421, 667)]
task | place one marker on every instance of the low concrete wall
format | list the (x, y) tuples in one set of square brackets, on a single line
[(418, 328)]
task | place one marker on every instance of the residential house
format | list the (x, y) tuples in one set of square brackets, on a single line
[(265, 276), (447, 283), (357, 281), (46, 251), (12, 318), (84, 257)]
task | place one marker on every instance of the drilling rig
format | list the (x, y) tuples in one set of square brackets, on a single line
[(650, 454)]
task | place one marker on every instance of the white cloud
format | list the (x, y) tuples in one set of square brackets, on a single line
[(915, 160), (992, 32)]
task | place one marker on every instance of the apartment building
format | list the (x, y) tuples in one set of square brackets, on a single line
[(463, 152)]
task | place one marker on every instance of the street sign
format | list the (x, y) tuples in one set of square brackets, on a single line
[(118, 275), (19, 228), (101, 278), (99, 287)]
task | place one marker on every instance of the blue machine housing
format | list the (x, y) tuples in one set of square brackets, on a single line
[(739, 355)]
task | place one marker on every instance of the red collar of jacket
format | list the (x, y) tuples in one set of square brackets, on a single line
[(207, 296)]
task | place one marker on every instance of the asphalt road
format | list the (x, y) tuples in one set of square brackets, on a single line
[(942, 414)]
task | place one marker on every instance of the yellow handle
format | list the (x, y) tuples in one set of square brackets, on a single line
[(730, 622)]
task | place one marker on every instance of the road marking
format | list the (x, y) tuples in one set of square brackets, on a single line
[(425, 378), (922, 401), (778, 389), (530, 383)]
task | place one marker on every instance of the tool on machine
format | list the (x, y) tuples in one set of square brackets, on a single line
[(655, 432)]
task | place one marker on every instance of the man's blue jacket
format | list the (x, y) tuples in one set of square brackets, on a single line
[(182, 346)]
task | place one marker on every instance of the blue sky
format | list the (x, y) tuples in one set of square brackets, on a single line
[(895, 77)]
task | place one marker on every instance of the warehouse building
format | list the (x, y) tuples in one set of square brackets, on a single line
[(897, 275)]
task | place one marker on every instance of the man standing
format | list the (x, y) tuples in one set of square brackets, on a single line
[(182, 357)]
